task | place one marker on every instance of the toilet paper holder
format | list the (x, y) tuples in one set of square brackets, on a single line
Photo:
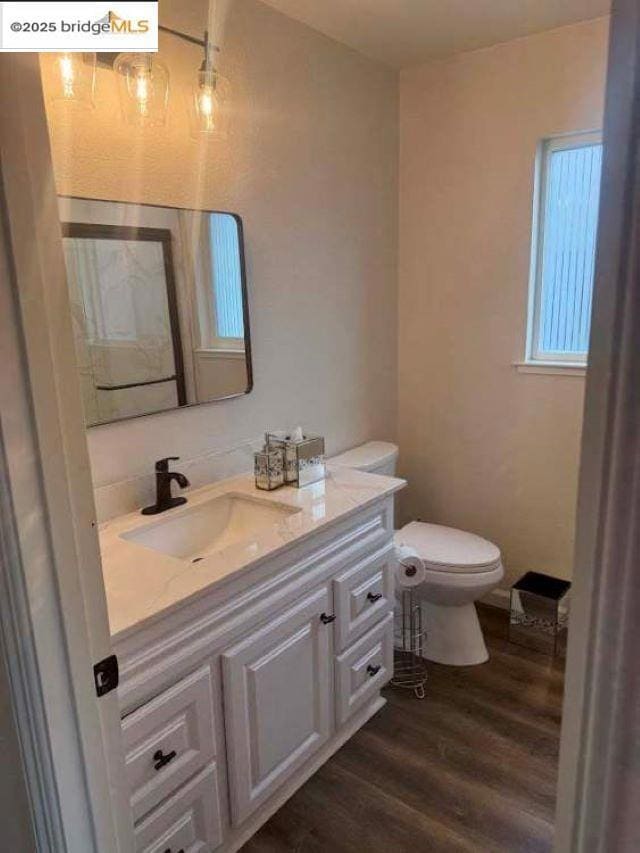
[(409, 665)]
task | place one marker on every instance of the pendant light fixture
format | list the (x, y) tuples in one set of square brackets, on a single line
[(143, 85), (74, 78), (209, 97), (143, 81)]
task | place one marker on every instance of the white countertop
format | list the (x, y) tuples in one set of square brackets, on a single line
[(141, 582)]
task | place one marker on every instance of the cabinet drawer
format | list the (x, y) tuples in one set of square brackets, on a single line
[(188, 822), (364, 668), (362, 595), (169, 739)]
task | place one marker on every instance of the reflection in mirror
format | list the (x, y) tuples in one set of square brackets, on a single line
[(159, 306)]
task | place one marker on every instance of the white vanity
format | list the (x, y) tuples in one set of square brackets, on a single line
[(254, 633)]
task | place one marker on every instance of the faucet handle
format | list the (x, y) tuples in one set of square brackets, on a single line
[(162, 465)]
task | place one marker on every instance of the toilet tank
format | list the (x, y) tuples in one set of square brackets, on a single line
[(376, 457)]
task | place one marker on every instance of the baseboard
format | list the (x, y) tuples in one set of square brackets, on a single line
[(497, 598)]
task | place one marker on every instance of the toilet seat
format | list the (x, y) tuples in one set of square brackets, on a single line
[(447, 550)]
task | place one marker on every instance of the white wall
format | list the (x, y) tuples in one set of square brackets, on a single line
[(311, 166), (484, 447)]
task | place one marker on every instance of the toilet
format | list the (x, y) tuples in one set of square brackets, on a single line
[(461, 567)]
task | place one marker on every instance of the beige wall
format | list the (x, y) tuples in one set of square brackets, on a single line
[(311, 166), (484, 447)]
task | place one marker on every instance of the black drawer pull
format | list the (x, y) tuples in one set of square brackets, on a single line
[(169, 850), (374, 596), (161, 759), (373, 670), (326, 620)]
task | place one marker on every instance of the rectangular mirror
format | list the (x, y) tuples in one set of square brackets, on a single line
[(159, 306)]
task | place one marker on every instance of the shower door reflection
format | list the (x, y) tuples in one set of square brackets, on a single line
[(125, 320)]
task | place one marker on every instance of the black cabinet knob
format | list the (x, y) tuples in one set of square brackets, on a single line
[(161, 760), (374, 596), (373, 670), (327, 619)]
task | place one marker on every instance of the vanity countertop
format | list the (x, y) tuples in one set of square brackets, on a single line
[(141, 582)]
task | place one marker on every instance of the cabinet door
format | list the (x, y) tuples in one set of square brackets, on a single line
[(278, 697)]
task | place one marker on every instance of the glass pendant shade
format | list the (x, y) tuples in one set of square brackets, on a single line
[(143, 85), (74, 78), (209, 104)]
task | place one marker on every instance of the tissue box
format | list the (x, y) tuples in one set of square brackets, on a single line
[(304, 460), (275, 440), (269, 468)]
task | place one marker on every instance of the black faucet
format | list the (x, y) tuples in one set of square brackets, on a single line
[(163, 487)]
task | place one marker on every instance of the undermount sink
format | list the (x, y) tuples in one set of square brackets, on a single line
[(215, 524)]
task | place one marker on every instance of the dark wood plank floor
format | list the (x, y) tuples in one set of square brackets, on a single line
[(472, 767)]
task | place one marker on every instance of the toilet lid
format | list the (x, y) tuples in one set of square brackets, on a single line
[(446, 549), (367, 457)]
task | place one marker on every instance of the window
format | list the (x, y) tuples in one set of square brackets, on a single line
[(219, 286), (563, 255), (226, 278)]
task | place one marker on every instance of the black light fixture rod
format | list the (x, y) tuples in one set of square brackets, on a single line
[(183, 36)]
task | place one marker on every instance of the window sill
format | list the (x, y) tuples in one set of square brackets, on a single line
[(221, 353), (551, 368)]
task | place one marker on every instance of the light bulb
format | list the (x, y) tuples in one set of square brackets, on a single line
[(74, 77), (206, 103), (142, 92), (66, 74), (207, 108)]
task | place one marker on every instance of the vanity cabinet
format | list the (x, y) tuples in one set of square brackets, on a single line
[(234, 699)]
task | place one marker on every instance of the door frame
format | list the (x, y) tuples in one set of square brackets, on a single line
[(53, 609), (600, 715)]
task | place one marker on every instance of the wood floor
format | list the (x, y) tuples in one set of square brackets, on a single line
[(472, 767)]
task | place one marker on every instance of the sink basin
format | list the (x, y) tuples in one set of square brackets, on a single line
[(210, 526)]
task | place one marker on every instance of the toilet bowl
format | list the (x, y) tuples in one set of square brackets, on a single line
[(460, 568)]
